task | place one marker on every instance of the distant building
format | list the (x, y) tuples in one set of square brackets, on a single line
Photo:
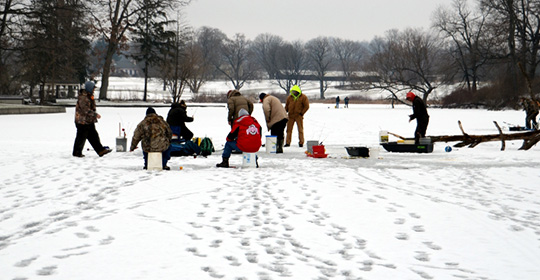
[(125, 67)]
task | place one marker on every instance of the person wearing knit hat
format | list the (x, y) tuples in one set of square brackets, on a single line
[(155, 135), (296, 106), (276, 118), (85, 118), (177, 118), (244, 136), (420, 114)]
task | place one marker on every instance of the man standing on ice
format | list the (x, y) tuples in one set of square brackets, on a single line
[(420, 114), (235, 102), (85, 119), (276, 118), (245, 136), (297, 105)]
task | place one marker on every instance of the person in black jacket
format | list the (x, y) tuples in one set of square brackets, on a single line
[(420, 114), (177, 118)]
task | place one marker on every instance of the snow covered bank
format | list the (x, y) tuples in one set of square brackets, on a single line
[(467, 214)]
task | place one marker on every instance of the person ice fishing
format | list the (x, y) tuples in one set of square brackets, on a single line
[(420, 114), (177, 118), (235, 102), (531, 110), (337, 102), (155, 135), (346, 101), (245, 136), (276, 118), (85, 118), (297, 105)]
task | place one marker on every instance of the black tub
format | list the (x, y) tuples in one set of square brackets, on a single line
[(358, 151), (408, 148)]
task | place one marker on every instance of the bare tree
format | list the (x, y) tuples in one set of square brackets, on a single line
[(319, 53), (404, 61), (349, 54), (236, 61), (292, 65), (112, 20), (203, 51), (468, 41), (518, 22), (266, 47)]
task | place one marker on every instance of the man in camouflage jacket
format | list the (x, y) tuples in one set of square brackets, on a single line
[(155, 135), (85, 119)]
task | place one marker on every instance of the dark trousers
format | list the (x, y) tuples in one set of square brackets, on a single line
[(531, 118), (86, 132), (278, 129), (421, 127)]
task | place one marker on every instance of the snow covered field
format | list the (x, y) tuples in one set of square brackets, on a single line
[(466, 214)]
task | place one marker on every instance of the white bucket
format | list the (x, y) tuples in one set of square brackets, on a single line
[(271, 141), (154, 161), (121, 144), (249, 160), (383, 136), (374, 153)]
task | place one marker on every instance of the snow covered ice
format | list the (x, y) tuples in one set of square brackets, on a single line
[(467, 214)]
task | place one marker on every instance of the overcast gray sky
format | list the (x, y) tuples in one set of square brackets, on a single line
[(307, 19)]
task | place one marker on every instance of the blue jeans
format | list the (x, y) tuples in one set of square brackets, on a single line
[(165, 156), (229, 147)]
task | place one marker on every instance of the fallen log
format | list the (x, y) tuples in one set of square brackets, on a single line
[(530, 138)]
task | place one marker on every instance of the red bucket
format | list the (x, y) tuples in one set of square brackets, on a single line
[(318, 151)]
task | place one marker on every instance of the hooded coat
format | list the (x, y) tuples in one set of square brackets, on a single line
[(297, 103), (85, 110), (177, 116), (236, 102), (247, 133), (154, 133)]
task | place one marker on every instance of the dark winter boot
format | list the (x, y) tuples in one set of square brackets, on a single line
[(224, 163), (279, 146)]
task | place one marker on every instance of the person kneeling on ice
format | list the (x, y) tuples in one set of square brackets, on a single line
[(245, 136), (155, 135)]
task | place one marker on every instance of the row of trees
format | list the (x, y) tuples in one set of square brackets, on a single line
[(489, 46)]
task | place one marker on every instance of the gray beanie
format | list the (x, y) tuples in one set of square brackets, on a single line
[(89, 86), (243, 112)]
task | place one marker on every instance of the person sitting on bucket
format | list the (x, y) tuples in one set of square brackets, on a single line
[(420, 114), (245, 136), (155, 135)]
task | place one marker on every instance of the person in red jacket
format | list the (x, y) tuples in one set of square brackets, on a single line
[(245, 136)]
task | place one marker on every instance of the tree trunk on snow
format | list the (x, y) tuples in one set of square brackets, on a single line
[(530, 138)]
